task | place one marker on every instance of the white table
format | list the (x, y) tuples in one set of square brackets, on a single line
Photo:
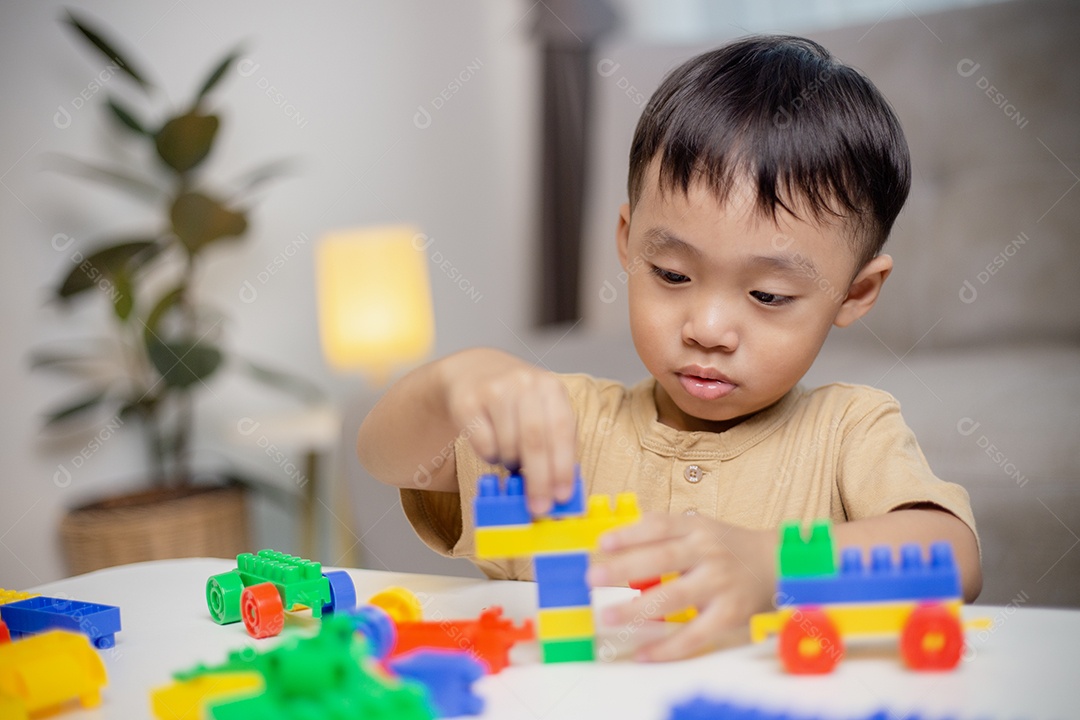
[(1026, 666)]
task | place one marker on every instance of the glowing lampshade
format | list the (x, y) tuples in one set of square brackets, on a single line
[(375, 311)]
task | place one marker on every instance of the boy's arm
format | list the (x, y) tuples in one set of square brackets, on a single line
[(921, 524), (512, 413)]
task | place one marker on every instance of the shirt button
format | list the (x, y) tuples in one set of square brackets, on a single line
[(690, 511), (693, 474)]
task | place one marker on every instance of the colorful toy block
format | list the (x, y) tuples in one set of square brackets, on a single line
[(185, 700), (38, 613), (399, 603), (561, 580), (320, 676), (266, 584), (702, 708), (448, 676), (573, 534), (497, 505), (376, 626), (559, 545), (489, 637), (48, 671), (9, 596), (565, 622), (918, 599), (5, 635)]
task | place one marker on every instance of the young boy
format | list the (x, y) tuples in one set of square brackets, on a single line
[(764, 179)]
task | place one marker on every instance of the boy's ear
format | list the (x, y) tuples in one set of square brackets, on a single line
[(864, 290), (622, 234)]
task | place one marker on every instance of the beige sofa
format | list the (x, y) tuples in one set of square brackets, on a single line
[(978, 331)]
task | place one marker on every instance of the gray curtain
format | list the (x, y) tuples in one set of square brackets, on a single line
[(568, 31)]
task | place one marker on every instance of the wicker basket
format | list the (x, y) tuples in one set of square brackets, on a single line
[(155, 525)]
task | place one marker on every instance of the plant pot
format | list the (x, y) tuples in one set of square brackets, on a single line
[(155, 525)]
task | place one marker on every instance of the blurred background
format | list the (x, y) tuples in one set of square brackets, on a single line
[(497, 131)]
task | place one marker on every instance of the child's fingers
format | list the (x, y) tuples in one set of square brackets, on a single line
[(700, 634), (535, 453), (504, 412), (652, 528), (644, 561), (562, 426), (653, 604)]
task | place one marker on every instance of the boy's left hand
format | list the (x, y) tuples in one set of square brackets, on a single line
[(727, 573)]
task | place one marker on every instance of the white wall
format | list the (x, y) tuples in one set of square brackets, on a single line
[(350, 78)]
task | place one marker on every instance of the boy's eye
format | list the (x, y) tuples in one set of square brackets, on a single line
[(770, 298), (672, 278)]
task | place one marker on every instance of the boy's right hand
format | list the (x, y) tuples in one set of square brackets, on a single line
[(516, 415)]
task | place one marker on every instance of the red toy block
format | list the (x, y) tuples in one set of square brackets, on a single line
[(488, 637), (5, 636)]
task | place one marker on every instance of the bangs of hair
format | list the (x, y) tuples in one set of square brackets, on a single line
[(807, 132)]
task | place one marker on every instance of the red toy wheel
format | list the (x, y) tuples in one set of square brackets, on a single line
[(261, 609), (810, 643), (932, 639)]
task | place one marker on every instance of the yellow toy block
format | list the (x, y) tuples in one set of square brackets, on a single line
[(574, 534), (399, 603), (852, 620), (565, 623), (186, 700), (51, 669), (10, 596)]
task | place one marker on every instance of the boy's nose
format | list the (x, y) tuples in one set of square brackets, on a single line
[(711, 328)]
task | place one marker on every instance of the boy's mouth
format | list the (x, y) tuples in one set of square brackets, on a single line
[(704, 383)]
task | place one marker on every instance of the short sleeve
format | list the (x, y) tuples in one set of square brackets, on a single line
[(882, 468)]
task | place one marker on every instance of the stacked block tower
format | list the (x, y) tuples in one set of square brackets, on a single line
[(559, 545)]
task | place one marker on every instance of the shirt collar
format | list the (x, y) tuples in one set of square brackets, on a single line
[(699, 445)]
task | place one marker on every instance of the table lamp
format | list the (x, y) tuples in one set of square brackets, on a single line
[(375, 309), (375, 312)]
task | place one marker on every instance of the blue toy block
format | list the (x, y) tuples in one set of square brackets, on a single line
[(37, 614), (495, 506), (701, 708), (915, 578), (448, 676), (561, 579), (575, 505)]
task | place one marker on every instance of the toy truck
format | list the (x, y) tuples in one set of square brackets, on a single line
[(917, 599), (266, 584)]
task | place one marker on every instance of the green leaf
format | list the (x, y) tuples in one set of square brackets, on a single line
[(199, 220), (65, 360), (286, 382), (217, 74), (166, 303), (126, 117), (184, 141), (123, 296), (78, 407), (106, 48), (182, 363), (112, 176), (104, 264)]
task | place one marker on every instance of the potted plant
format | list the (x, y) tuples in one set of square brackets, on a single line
[(165, 346)]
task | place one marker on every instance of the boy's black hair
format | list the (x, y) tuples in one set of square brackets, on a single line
[(807, 130)]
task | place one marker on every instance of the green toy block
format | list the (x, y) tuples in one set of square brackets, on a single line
[(567, 650), (805, 557)]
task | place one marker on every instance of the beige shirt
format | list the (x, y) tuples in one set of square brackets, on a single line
[(839, 451)]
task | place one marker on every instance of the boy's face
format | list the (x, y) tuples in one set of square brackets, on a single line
[(728, 309)]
